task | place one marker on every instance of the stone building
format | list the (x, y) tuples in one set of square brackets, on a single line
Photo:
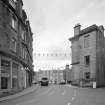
[(88, 56), (16, 50), (54, 76), (57, 76), (67, 73)]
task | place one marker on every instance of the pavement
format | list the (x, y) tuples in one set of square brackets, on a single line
[(22, 93)]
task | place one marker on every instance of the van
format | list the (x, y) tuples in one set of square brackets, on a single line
[(44, 81)]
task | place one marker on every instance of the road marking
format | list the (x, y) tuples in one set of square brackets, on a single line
[(69, 104), (33, 100), (73, 98)]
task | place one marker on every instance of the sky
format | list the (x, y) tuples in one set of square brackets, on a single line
[(52, 23)]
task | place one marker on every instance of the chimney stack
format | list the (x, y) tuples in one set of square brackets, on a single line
[(77, 29), (101, 29)]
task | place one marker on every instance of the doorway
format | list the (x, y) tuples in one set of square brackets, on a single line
[(4, 82)]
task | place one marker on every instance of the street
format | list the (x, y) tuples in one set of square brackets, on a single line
[(60, 95)]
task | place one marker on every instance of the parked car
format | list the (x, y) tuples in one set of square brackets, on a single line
[(44, 81), (34, 82), (62, 82)]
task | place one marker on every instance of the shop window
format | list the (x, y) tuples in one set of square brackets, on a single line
[(5, 63), (14, 83), (5, 66), (15, 69)]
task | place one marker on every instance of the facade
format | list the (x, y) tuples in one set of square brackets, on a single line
[(54, 76), (60, 76), (16, 67), (67, 74), (45, 73), (88, 56), (35, 77)]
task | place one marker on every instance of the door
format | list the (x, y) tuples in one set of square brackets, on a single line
[(4, 82)]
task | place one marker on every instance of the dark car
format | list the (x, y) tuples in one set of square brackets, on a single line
[(62, 82), (44, 81)]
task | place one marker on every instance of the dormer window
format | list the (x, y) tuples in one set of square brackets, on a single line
[(13, 44), (14, 22), (12, 3), (23, 34)]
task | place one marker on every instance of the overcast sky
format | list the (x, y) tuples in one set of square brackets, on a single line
[(52, 23)]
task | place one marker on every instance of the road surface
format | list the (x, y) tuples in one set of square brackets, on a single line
[(60, 95)]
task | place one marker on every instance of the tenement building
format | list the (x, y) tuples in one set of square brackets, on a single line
[(15, 46), (88, 56)]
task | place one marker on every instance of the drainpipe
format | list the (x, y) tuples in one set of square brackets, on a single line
[(0, 72), (11, 75)]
